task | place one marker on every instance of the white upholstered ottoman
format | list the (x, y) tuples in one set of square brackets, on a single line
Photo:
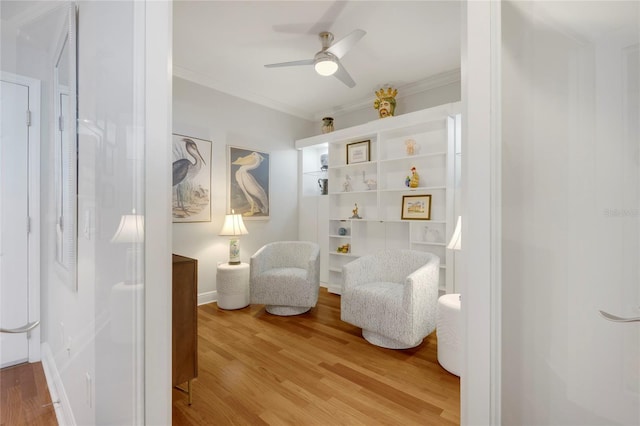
[(449, 333)]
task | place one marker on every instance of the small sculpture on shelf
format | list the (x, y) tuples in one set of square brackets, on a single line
[(411, 146), (413, 180), (355, 213), (371, 183), (385, 102), (327, 125), (346, 185), (324, 162), (345, 248), (431, 235)]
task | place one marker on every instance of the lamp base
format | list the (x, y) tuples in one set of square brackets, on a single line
[(235, 262)]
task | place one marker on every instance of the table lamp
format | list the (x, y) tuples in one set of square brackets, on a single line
[(233, 227), (131, 231), (456, 239)]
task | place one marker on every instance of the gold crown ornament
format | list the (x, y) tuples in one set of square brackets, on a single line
[(385, 102)]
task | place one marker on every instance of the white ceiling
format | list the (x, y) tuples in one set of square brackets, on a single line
[(225, 45)]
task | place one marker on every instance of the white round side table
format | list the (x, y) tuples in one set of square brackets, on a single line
[(449, 333), (233, 285)]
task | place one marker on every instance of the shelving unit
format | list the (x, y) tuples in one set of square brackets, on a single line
[(377, 187)]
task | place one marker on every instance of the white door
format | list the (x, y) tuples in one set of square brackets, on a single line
[(570, 192), (14, 216)]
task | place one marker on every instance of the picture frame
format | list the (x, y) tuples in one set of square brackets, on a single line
[(191, 195), (416, 207), (248, 182), (359, 152)]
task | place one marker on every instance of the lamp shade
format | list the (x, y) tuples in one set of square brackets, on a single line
[(130, 230), (456, 239), (233, 225)]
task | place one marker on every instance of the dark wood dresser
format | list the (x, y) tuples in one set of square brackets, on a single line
[(185, 321)]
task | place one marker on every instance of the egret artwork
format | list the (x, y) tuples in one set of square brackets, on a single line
[(249, 182), (191, 179)]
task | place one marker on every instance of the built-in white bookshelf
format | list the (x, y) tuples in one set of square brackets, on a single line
[(376, 184)]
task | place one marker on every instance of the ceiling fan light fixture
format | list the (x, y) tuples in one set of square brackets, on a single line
[(326, 66)]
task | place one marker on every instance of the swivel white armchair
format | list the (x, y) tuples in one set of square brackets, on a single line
[(285, 276), (393, 296)]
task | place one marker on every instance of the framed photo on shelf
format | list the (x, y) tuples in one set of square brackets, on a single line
[(248, 182), (416, 207), (358, 152), (191, 197)]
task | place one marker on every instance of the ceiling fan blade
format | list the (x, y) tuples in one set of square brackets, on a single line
[(291, 64), (342, 46), (328, 18), (323, 24), (344, 76)]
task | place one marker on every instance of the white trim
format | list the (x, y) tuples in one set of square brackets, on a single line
[(59, 398), (477, 395), (207, 297), (158, 35), (33, 86), (205, 80), (438, 80), (495, 320), (429, 83)]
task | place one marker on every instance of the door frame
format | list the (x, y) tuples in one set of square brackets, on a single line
[(33, 201), (480, 384)]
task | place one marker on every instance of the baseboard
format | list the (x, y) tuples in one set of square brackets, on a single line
[(207, 297), (61, 404)]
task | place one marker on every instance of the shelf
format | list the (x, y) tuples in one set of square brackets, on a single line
[(420, 188), (368, 191), (343, 254), (316, 173), (352, 166), (339, 236), (426, 243), (412, 157)]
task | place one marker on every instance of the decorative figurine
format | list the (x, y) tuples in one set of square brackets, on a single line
[(385, 102), (413, 180), (346, 186), (411, 146), (431, 235), (324, 162), (371, 183), (355, 213), (327, 125), (345, 248)]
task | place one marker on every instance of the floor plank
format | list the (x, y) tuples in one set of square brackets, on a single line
[(311, 369), (24, 396)]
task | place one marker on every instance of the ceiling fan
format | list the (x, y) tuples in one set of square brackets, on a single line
[(327, 61)]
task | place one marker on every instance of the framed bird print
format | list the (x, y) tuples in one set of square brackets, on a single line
[(248, 182), (191, 196)]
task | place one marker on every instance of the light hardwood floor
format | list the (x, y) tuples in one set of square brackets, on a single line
[(313, 369), (24, 397)]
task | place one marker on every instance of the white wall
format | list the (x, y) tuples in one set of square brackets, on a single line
[(570, 218), (205, 113), (94, 373)]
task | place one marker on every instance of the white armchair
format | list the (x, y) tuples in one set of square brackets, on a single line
[(285, 276), (393, 296)]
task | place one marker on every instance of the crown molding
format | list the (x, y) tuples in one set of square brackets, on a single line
[(429, 83), (204, 80)]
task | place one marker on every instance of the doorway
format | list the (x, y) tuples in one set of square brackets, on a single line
[(19, 218)]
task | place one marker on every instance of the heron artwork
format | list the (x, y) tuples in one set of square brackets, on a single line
[(251, 188), (190, 196)]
